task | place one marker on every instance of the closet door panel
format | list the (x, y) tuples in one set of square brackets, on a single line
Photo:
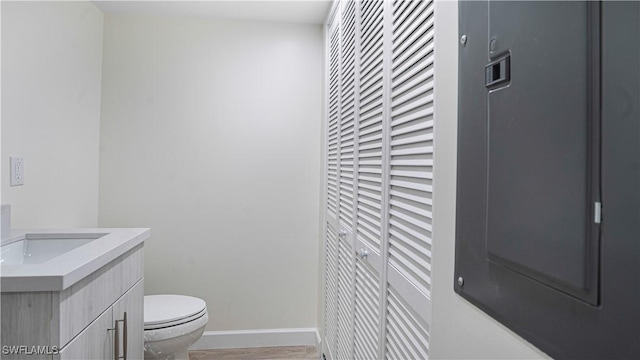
[(333, 206), (346, 201), (368, 189), (370, 130), (410, 180)]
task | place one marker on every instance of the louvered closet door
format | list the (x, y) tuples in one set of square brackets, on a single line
[(346, 180), (331, 231), (368, 210), (380, 171), (410, 180)]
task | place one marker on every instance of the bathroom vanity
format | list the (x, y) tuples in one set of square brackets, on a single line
[(73, 294)]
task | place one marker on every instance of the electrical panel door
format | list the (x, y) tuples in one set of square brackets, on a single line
[(542, 175)]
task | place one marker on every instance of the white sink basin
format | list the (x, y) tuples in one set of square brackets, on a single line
[(35, 251), (53, 260)]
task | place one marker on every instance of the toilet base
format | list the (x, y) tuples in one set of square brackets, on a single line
[(173, 343)]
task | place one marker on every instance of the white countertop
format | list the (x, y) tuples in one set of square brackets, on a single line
[(65, 270)]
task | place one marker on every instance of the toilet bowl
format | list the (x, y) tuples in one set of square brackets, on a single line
[(172, 323)]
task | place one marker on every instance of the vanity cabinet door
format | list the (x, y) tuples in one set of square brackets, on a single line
[(131, 303), (94, 342)]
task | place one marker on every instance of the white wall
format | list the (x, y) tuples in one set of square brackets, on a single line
[(210, 136), (458, 330), (51, 71)]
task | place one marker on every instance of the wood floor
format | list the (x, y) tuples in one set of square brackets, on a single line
[(262, 353)]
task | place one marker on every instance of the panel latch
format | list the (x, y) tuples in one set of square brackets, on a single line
[(498, 72)]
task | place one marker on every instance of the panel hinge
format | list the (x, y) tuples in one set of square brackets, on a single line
[(597, 212)]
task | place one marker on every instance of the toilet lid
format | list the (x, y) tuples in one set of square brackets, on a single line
[(167, 310)]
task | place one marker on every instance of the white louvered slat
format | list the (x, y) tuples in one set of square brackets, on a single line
[(367, 304), (407, 333), (369, 187)]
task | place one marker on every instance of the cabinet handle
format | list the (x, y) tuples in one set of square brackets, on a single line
[(116, 339), (125, 337)]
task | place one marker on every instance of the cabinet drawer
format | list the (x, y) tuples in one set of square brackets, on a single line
[(81, 303)]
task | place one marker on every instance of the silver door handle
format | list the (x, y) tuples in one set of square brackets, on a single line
[(363, 253), (124, 336), (116, 339)]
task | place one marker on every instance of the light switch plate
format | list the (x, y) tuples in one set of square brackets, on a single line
[(17, 171)]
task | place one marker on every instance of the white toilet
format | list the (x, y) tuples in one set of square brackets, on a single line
[(172, 323)]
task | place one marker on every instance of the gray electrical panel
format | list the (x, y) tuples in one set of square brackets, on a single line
[(548, 147)]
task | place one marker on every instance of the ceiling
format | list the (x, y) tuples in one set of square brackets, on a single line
[(294, 11)]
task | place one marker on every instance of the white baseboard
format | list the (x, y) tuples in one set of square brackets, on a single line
[(212, 340)]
